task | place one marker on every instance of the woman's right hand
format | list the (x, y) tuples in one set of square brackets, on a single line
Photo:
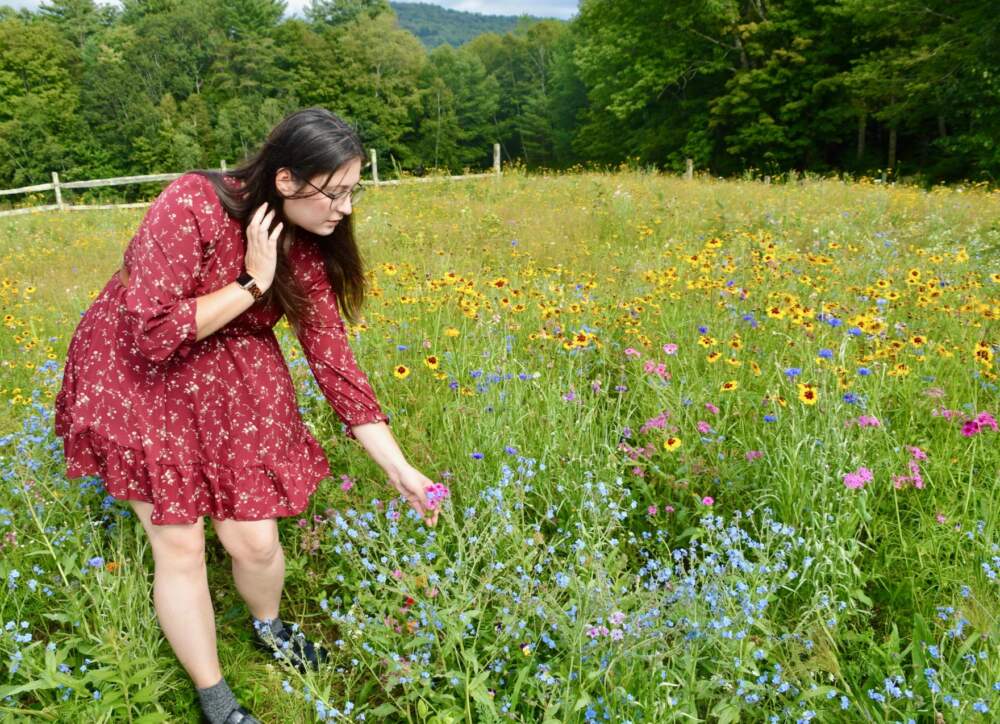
[(262, 247)]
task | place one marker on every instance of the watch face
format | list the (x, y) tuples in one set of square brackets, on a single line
[(244, 279)]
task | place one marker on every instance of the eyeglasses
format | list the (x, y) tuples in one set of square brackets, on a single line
[(334, 198)]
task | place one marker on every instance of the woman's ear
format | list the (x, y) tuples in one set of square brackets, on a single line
[(283, 182)]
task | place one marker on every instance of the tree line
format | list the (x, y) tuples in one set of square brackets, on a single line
[(860, 86)]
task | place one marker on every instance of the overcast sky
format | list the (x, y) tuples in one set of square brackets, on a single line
[(543, 8)]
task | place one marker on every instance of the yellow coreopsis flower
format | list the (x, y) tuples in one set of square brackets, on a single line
[(401, 372), (671, 443), (729, 386), (807, 394), (451, 332), (432, 361)]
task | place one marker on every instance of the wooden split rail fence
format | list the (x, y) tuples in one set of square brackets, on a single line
[(58, 186)]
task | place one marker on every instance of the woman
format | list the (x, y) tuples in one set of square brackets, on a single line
[(176, 394)]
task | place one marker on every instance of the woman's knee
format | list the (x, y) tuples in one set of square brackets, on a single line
[(176, 544), (254, 541)]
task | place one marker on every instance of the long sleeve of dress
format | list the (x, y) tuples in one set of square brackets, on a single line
[(325, 344), (163, 261)]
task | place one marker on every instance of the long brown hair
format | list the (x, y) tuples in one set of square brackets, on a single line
[(308, 142)]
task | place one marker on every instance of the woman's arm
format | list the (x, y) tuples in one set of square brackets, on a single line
[(377, 440)]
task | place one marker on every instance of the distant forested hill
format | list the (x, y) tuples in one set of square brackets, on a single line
[(435, 25)]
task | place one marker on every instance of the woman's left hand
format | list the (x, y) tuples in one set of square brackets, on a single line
[(412, 485)]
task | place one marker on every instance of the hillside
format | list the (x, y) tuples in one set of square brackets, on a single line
[(435, 25)]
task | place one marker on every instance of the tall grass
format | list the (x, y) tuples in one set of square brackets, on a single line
[(646, 396)]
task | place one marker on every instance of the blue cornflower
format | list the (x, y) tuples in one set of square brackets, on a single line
[(855, 332), (826, 353), (770, 418), (703, 329), (477, 456), (864, 371), (793, 372)]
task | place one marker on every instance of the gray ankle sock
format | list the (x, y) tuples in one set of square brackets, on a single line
[(263, 625), (217, 701)]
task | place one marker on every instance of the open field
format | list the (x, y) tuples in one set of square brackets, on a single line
[(717, 451)]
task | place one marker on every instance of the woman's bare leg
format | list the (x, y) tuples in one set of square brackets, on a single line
[(180, 594), (258, 562)]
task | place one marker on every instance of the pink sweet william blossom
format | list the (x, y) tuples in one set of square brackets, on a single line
[(985, 419), (670, 348), (970, 428), (858, 479), (753, 455), (631, 352), (917, 453), (708, 500), (711, 408), (703, 427)]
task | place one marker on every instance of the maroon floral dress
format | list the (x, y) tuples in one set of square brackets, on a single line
[(209, 427)]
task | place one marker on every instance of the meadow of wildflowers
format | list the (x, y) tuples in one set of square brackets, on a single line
[(704, 451)]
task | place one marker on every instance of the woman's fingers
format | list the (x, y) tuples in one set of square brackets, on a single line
[(276, 233)]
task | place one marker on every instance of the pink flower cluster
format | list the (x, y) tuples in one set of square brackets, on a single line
[(971, 426), (898, 481), (653, 510), (659, 369), (978, 424), (435, 494), (858, 479), (347, 482), (754, 454), (670, 348), (864, 421), (659, 422), (616, 619)]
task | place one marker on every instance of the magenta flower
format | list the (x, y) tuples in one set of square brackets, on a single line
[(435, 494), (917, 453), (711, 408), (970, 428), (670, 348), (347, 483), (652, 510), (708, 500), (631, 352), (985, 419), (703, 427), (868, 421), (754, 454), (858, 479)]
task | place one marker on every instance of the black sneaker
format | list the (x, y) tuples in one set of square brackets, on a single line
[(293, 646), (239, 715)]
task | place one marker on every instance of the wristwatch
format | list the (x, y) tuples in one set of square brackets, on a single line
[(250, 284)]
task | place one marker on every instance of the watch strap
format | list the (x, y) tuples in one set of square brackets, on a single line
[(250, 284)]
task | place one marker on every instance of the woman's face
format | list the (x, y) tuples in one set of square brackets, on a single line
[(308, 207)]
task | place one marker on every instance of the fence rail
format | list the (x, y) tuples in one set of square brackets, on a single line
[(57, 186)]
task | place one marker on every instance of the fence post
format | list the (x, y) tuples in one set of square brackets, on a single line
[(374, 166), (496, 158), (222, 164), (55, 185), (689, 173), (767, 180)]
